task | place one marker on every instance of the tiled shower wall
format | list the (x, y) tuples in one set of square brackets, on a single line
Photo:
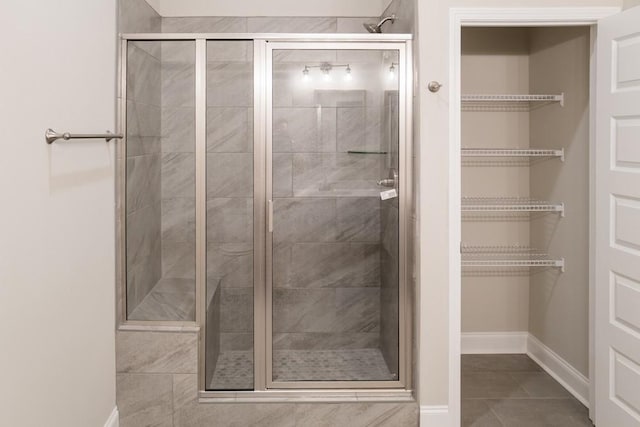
[(143, 168)]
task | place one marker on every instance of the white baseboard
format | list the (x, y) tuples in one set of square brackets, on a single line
[(114, 419), (494, 342), (570, 378), (434, 416)]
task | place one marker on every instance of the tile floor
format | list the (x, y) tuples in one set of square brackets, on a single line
[(234, 369), (512, 390)]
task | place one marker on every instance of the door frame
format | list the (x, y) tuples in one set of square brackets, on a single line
[(507, 17), (399, 390)]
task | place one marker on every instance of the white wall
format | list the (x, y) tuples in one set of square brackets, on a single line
[(269, 8), (57, 357)]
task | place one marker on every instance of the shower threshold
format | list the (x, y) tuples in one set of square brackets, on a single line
[(234, 369)]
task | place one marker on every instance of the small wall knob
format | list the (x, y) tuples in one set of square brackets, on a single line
[(434, 86)]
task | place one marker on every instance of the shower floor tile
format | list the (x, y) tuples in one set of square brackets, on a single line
[(170, 299), (234, 369)]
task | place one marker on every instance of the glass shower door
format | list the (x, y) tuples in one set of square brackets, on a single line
[(333, 288)]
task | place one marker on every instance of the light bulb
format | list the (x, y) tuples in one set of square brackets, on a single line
[(348, 77), (305, 74), (392, 72), (326, 76)]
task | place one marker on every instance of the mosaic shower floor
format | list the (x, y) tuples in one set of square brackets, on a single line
[(234, 369)]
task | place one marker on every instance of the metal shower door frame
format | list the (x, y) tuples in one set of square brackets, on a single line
[(263, 46)]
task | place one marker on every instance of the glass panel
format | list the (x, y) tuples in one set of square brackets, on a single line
[(229, 340), (335, 239), (160, 186)]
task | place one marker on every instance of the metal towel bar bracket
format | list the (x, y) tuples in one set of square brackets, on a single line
[(50, 135)]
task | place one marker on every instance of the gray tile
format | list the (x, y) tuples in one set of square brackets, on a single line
[(234, 341), (304, 220), (229, 50), (143, 120), (142, 145), (477, 413), (351, 129), (231, 264), (315, 265), (205, 24), (236, 310), (143, 181), (178, 260), (136, 16), (178, 175), (358, 219), (156, 352), (178, 130), (498, 362), (178, 84), (182, 51), (230, 220), (540, 384), (354, 25), (295, 129), (230, 84), (143, 76), (341, 98), (229, 175), (303, 56), (178, 220), (490, 385), (541, 412), (169, 300), (357, 414), (291, 25), (282, 175), (144, 400), (229, 130)]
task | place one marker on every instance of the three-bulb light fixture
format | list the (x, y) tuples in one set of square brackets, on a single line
[(325, 69)]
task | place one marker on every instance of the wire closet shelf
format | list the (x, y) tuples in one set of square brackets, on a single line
[(514, 256), (509, 204), (482, 102), (513, 152)]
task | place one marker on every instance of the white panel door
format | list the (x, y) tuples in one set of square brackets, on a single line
[(618, 221)]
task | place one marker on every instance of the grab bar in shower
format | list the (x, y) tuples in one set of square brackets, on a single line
[(51, 135)]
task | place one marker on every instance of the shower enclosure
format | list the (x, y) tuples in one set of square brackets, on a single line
[(263, 198)]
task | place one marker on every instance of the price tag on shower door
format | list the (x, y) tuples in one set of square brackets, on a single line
[(388, 194)]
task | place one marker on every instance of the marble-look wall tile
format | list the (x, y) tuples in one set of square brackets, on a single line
[(145, 399), (304, 220), (318, 265), (282, 175), (358, 414), (236, 309), (143, 145), (229, 175), (230, 220), (156, 352), (143, 120), (326, 310), (291, 25), (236, 341), (188, 413), (204, 24), (178, 84), (182, 51), (178, 260), (143, 182), (229, 130), (358, 219), (304, 129), (405, 10), (136, 16), (336, 175), (355, 25), (178, 175), (230, 84), (229, 50), (351, 129), (178, 130), (179, 220), (143, 76), (212, 339), (231, 264)]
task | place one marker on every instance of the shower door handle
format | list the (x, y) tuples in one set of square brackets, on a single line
[(270, 215)]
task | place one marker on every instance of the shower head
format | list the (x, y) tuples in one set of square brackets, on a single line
[(377, 28)]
